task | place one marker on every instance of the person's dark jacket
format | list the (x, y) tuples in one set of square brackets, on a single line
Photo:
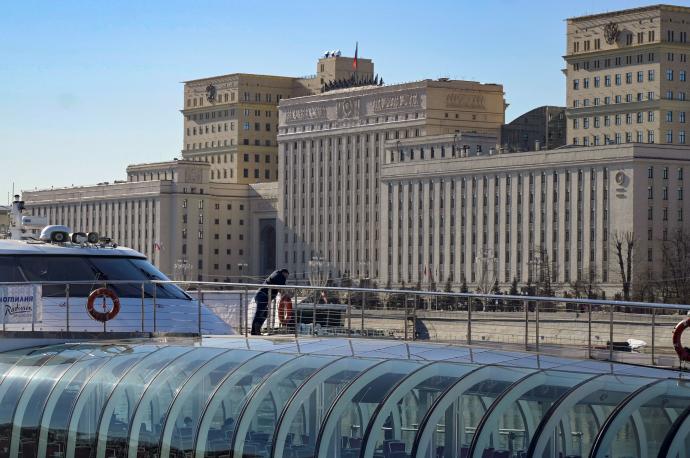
[(276, 278)]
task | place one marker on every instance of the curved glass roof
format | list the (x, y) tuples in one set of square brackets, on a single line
[(286, 398)]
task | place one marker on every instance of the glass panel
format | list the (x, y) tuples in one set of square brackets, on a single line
[(510, 423), (147, 424), (342, 432), (186, 408), (15, 382), (254, 434), (306, 411), (114, 420), (167, 291), (448, 429), (30, 405), (53, 425), (59, 268), (571, 425), (217, 425), (86, 413), (640, 426), (9, 269), (395, 426)]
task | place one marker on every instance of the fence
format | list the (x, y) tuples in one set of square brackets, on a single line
[(636, 332)]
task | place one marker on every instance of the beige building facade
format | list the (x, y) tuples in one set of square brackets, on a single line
[(627, 76), (187, 225), (212, 215), (332, 147), (499, 217), (231, 121)]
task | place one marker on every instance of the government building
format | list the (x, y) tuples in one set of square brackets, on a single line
[(211, 215), (627, 76), (491, 218), (332, 148)]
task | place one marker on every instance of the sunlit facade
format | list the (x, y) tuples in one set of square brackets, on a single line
[(228, 397)]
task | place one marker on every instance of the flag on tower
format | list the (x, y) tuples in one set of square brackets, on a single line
[(354, 62)]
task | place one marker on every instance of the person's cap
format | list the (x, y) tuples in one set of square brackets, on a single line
[(285, 271)]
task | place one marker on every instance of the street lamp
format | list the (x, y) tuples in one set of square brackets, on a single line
[(181, 269), (240, 266)]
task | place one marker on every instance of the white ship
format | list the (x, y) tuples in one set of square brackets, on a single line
[(73, 281)]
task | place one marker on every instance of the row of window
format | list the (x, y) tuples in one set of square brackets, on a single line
[(639, 137), (230, 97), (231, 142), (211, 115), (629, 38), (618, 61), (201, 203), (366, 121), (664, 173), (618, 79), (619, 118), (664, 193), (211, 129), (596, 101)]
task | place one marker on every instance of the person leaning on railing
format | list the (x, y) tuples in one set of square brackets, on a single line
[(277, 278)]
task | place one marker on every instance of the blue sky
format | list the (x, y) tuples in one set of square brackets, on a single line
[(87, 88)]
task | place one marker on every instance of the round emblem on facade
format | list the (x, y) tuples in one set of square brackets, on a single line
[(210, 93), (611, 32), (620, 178)]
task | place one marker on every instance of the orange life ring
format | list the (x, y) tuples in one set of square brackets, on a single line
[(105, 315), (683, 352), (285, 315)]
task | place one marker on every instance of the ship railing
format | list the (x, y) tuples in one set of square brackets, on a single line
[(608, 330)]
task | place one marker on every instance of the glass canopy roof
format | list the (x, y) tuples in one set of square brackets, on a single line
[(286, 398)]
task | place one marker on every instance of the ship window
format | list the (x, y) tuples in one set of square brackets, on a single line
[(9, 270), (58, 269), (95, 269)]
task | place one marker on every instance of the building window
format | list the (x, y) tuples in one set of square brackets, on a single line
[(669, 136), (576, 84), (607, 80), (628, 78), (681, 137), (650, 136), (669, 75)]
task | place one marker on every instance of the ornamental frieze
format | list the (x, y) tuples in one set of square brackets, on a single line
[(457, 100), (396, 102)]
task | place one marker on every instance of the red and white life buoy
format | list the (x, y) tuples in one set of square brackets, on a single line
[(285, 313), (683, 352), (105, 315)]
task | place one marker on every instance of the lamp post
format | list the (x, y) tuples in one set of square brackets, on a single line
[(240, 266), (181, 269)]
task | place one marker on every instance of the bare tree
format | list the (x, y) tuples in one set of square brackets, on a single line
[(676, 265), (624, 244)]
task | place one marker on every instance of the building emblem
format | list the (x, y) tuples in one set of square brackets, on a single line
[(348, 108), (611, 32), (210, 93), (620, 178)]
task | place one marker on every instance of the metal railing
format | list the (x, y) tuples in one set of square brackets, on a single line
[(638, 332)]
